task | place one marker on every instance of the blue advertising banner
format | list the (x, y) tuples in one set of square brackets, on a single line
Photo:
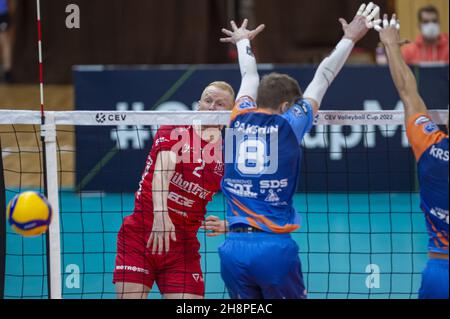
[(337, 158)]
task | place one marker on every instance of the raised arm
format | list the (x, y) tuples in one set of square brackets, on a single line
[(241, 37), (330, 66), (402, 75)]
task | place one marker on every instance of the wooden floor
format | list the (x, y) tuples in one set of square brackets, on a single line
[(21, 146)]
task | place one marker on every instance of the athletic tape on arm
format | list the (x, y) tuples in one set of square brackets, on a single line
[(249, 70), (328, 70)]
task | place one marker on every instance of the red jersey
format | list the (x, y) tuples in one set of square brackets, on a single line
[(196, 179), (420, 52)]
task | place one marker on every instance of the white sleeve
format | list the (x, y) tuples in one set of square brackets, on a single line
[(328, 70), (249, 70)]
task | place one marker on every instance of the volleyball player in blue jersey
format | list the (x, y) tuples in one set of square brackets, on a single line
[(259, 259), (430, 147)]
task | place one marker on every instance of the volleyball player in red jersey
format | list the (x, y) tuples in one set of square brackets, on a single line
[(158, 242)]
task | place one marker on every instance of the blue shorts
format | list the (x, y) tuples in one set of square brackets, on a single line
[(261, 266), (435, 280)]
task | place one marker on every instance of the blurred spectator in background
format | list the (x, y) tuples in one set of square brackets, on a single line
[(5, 40), (432, 45)]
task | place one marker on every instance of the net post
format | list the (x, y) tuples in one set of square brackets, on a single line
[(48, 133), (2, 227)]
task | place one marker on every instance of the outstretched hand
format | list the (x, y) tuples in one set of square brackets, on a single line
[(371, 12), (389, 31), (240, 33), (366, 18)]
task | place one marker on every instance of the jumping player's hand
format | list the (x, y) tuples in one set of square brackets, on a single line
[(240, 33), (389, 31), (163, 232), (366, 18), (216, 225)]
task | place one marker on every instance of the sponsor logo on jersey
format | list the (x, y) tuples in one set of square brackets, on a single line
[(160, 140), (239, 181), (190, 187), (430, 128), (246, 104), (197, 277), (304, 107), (265, 184), (439, 153), (132, 268), (442, 214), (279, 203), (240, 189), (180, 200), (176, 211), (146, 170), (296, 111), (272, 196), (421, 120)]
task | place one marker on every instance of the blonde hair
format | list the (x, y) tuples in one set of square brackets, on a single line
[(221, 85)]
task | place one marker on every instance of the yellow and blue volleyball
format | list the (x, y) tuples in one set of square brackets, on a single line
[(29, 214)]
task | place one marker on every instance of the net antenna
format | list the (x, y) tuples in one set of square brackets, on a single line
[(49, 156)]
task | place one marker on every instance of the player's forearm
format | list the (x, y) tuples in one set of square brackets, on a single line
[(160, 191), (249, 70), (328, 70), (404, 81), (163, 172), (401, 74)]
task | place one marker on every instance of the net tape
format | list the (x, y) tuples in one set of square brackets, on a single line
[(114, 118)]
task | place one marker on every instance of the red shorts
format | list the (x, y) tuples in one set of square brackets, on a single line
[(177, 271)]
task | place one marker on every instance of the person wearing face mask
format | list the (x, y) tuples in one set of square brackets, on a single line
[(432, 45)]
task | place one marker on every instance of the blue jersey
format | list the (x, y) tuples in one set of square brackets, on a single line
[(263, 156), (3, 6), (430, 146)]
